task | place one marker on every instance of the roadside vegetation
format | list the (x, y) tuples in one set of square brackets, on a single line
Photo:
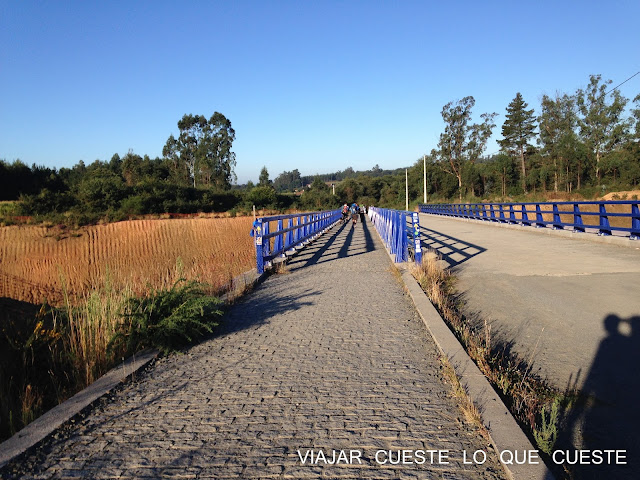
[(49, 353), (538, 407)]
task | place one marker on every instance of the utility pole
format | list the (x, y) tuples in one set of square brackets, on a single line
[(424, 165), (406, 189)]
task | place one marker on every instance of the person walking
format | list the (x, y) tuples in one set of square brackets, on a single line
[(354, 214)]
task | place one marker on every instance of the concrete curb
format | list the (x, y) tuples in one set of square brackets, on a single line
[(504, 431), (49, 422), (584, 236)]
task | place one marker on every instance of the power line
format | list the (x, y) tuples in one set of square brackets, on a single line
[(614, 88)]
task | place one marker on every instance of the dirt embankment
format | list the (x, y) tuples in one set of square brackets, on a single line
[(38, 263)]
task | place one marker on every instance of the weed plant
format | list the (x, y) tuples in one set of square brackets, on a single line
[(167, 319)]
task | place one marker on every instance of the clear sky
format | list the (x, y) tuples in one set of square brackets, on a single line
[(313, 85)]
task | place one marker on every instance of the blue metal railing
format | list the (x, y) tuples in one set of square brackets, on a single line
[(300, 228), (401, 239), (625, 214)]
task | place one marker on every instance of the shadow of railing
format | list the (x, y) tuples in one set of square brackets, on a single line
[(453, 250), (344, 241)]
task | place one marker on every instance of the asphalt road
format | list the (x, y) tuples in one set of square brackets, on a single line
[(567, 306)]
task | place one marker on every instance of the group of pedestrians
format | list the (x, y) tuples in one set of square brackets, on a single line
[(354, 210)]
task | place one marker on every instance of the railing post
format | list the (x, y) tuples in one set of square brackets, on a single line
[(394, 233), (501, 218), (605, 228), (289, 237), (512, 214), (635, 222), (539, 217), (265, 241), (525, 217), (577, 219), (417, 250), (259, 251), (403, 237), (557, 222)]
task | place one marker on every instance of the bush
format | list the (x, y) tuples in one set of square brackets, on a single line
[(168, 319), (261, 196), (133, 205)]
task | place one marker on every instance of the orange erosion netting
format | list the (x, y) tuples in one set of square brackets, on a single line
[(38, 263)]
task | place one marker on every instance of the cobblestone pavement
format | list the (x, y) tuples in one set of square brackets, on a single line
[(328, 355)]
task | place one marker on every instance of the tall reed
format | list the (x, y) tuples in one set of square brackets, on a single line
[(92, 320)]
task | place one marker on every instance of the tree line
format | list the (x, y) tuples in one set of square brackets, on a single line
[(584, 144), (580, 140)]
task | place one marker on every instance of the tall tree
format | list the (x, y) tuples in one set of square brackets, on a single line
[(263, 179), (635, 114), (462, 142), (518, 128), (219, 161), (204, 148), (558, 121), (131, 168), (601, 124)]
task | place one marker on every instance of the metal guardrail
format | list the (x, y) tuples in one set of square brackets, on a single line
[(305, 227), (401, 238), (624, 214)]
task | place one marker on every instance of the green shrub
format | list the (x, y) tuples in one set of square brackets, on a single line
[(168, 319)]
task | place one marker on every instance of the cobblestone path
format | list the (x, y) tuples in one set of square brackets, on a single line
[(327, 355)]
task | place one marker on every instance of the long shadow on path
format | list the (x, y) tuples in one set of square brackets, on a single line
[(344, 241)]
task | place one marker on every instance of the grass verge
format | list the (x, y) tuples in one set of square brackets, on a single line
[(538, 407)]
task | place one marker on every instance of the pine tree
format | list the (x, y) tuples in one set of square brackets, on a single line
[(518, 128)]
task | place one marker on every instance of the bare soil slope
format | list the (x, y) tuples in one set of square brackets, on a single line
[(37, 263)]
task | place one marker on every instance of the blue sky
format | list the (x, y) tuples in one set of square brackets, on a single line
[(318, 86)]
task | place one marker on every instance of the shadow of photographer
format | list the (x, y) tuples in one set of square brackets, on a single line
[(606, 416)]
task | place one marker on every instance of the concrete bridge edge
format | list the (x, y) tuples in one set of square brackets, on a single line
[(49, 422)]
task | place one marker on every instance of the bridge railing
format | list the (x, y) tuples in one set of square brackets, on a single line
[(277, 234), (400, 232), (603, 218)]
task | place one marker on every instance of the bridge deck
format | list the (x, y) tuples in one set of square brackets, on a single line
[(328, 355), (546, 295), (570, 308)]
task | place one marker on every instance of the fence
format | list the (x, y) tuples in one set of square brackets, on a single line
[(300, 228), (604, 217), (401, 239)]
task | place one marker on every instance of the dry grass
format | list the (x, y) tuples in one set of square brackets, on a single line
[(525, 394), (39, 263), (469, 409), (91, 326), (624, 195)]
